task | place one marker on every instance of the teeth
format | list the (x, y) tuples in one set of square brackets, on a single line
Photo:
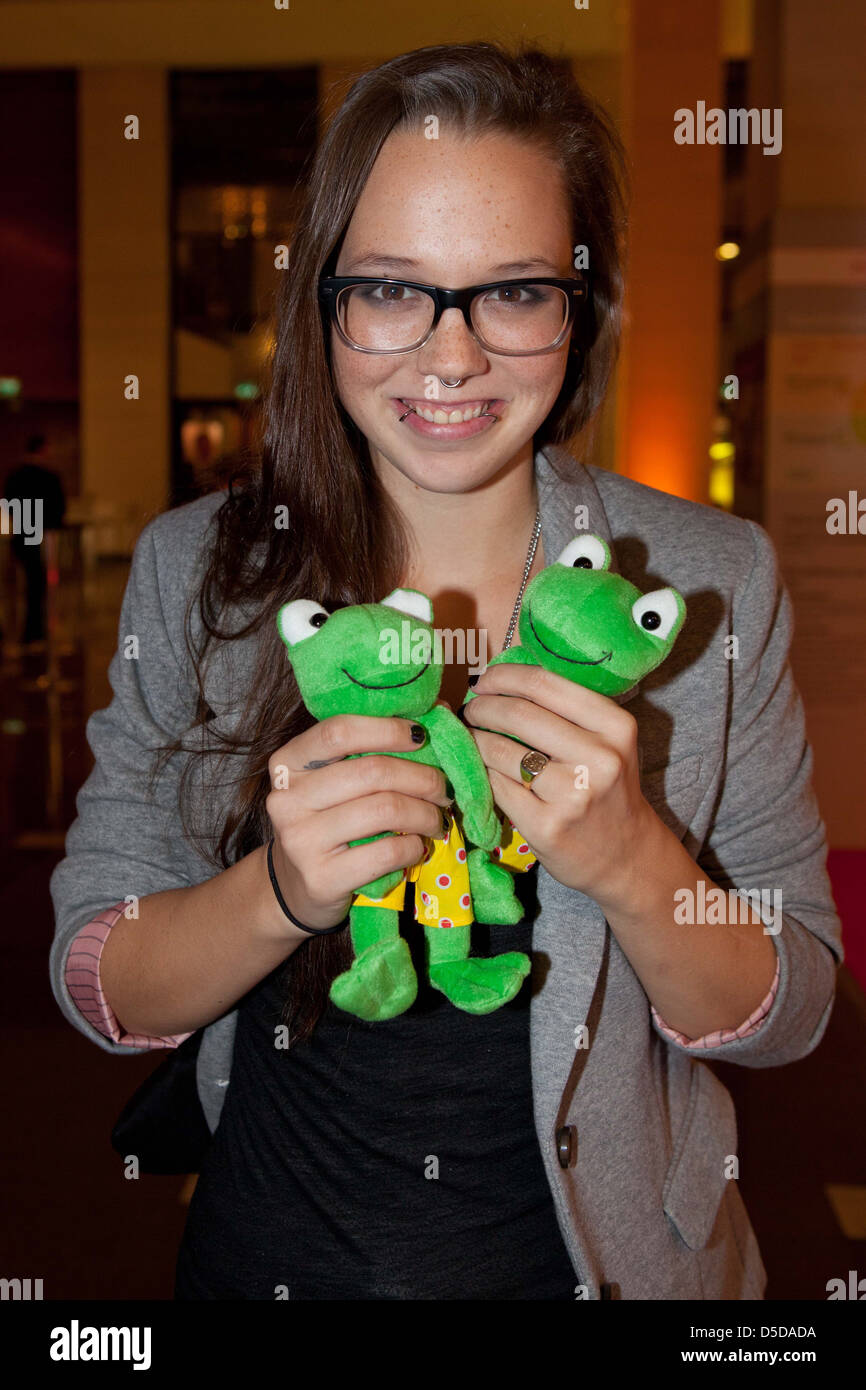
[(450, 417)]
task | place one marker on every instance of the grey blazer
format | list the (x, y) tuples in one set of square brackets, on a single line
[(635, 1130)]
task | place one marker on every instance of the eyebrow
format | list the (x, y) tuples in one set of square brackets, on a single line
[(398, 263)]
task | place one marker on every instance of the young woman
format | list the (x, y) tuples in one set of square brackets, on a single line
[(568, 1145)]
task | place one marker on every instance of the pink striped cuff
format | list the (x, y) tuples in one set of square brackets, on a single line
[(725, 1035), (85, 987)]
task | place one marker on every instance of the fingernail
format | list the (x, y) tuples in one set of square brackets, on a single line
[(419, 733)]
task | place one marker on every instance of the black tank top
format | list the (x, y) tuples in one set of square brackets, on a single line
[(392, 1160)]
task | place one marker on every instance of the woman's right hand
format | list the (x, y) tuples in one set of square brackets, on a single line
[(321, 799)]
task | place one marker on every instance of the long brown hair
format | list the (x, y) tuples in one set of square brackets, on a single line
[(344, 543)]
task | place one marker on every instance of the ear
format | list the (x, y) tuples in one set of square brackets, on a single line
[(587, 552), (300, 619), (411, 602)]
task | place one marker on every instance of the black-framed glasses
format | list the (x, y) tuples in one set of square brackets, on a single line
[(512, 318)]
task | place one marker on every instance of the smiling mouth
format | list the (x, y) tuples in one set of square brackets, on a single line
[(606, 656), (449, 413), (368, 685)]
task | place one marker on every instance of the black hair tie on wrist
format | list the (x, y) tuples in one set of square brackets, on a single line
[(313, 931)]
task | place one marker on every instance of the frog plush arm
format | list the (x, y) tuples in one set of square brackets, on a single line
[(456, 752), (515, 656)]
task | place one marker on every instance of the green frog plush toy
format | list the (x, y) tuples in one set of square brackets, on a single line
[(382, 659), (578, 620), (581, 621)]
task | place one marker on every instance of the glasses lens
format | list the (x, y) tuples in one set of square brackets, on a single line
[(520, 318), (384, 317)]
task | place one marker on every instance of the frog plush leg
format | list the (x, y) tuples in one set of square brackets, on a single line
[(493, 896), (474, 985), (381, 982), (443, 903)]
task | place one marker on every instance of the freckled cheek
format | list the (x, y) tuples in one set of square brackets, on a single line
[(357, 374), (538, 379)]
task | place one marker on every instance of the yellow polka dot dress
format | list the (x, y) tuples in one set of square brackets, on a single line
[(441, 878)]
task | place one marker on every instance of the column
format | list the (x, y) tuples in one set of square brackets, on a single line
[(669, 368), (125, 297)]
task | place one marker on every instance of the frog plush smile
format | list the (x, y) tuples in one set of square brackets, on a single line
[(344, 664)]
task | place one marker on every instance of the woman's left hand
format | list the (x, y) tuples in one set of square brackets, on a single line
[(584, 817)]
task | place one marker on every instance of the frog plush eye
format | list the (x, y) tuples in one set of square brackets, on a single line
[(299, 619), (585, 552), (657, 612), (411, 602)]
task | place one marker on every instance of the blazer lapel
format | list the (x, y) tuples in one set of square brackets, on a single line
[(569, 504), (570, 930)]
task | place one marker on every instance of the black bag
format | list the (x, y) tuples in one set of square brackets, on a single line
[(163, 1122)]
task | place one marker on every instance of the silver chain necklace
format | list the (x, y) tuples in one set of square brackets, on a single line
[(530, 556), (533, 543)]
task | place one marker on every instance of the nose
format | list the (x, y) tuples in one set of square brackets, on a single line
[(452, 352)]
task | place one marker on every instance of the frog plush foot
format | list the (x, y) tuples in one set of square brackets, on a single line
[(381, 983), (493, 893), (480, 986), (477, 986)]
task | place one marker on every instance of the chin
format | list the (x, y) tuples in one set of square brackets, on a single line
[(448, 470)]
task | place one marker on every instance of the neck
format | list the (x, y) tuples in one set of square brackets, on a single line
[(469, 539)]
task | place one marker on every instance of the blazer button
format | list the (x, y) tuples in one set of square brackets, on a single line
[(565, 1145)]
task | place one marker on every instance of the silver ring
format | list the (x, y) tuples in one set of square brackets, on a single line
[(531, 764)]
